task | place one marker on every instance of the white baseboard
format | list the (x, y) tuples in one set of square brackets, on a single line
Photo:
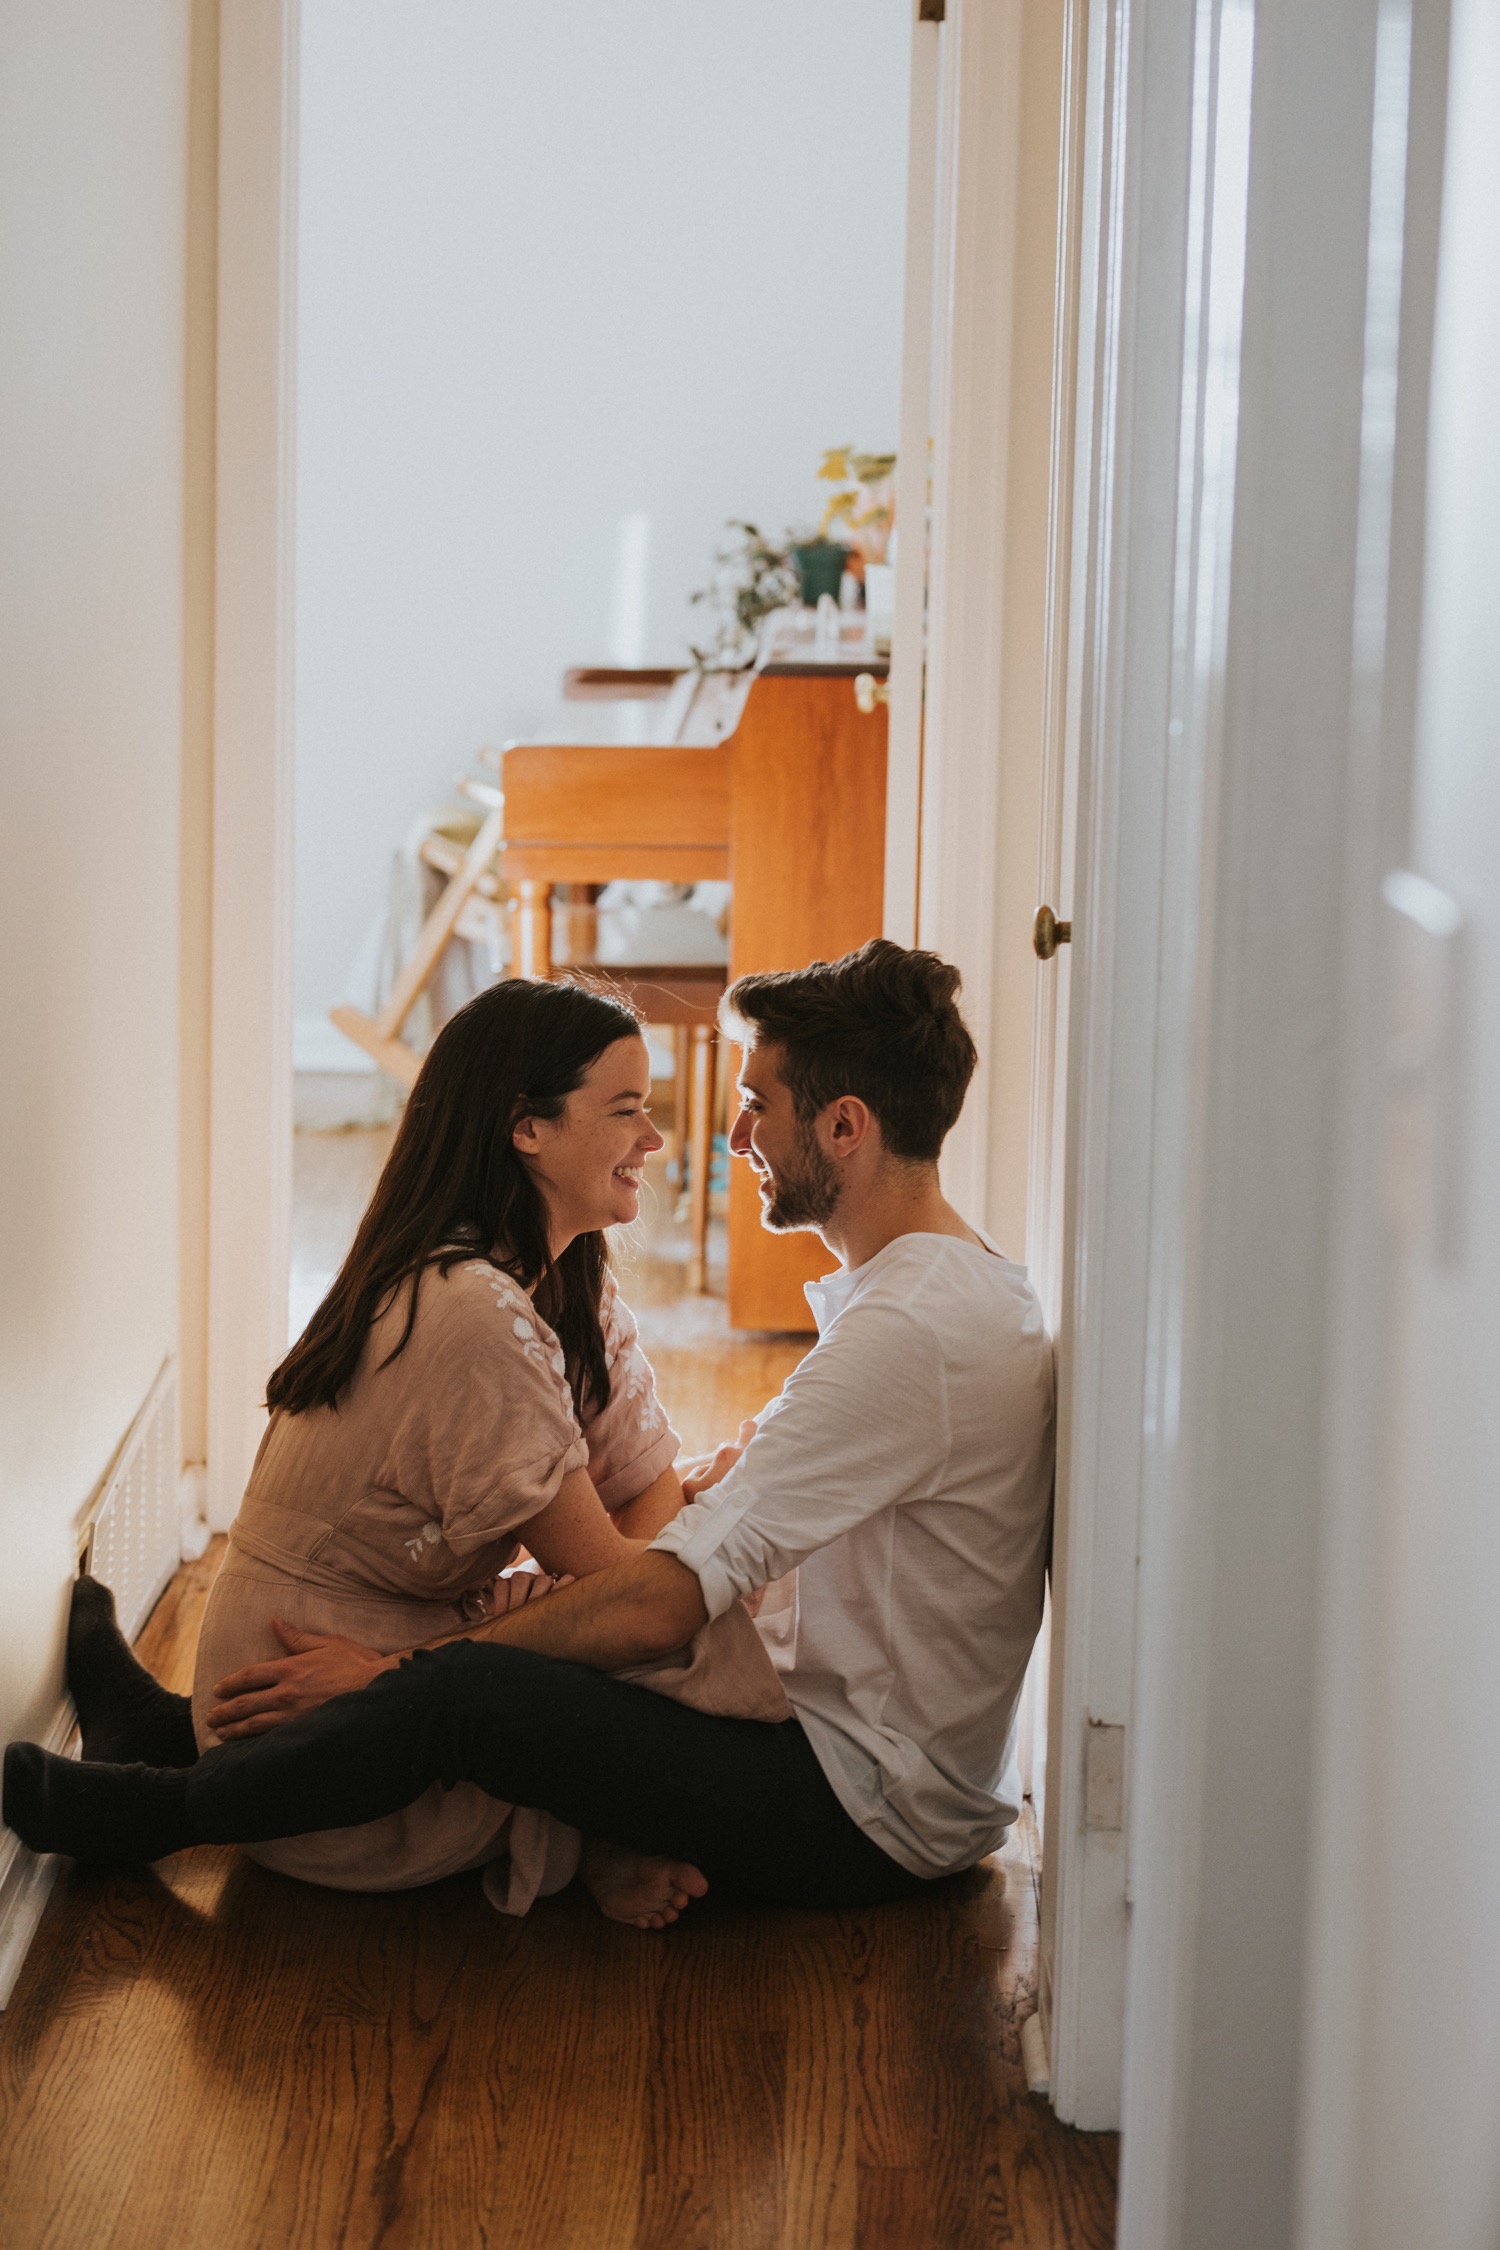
[(1034, 2057), (26, 1877), (318, 1045)]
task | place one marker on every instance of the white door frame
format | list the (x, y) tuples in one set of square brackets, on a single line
[(1019, 687), (250, 1141), (1111, 1028), (975, 302), (903, 778)]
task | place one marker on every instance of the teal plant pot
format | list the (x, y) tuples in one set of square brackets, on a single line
[(820, 568)]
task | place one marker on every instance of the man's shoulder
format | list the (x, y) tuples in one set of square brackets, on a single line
[(957, 1314), (934, 1309), (948, 1279)]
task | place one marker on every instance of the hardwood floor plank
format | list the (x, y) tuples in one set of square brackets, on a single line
[(716, 2099), (819, 2134)]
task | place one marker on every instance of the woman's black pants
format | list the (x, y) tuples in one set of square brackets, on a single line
[(744, 1801)]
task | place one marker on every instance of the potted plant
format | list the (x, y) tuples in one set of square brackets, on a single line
[(752, 577), (864, 503), (820, 565), (864, 506)]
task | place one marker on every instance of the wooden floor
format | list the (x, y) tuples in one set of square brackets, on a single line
[(214, 2058)]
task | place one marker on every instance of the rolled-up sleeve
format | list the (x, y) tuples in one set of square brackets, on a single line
[(861, 1425)]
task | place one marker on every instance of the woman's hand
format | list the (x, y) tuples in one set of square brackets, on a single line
[(318, 1667), (710, 1468)]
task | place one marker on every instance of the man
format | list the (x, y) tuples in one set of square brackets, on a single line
[(891, 1507)]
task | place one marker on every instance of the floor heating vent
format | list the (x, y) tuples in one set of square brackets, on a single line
[(133, 1541)]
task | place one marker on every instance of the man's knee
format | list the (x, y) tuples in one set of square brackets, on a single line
[(474, 1681), (443, 1683), (495, 1715)]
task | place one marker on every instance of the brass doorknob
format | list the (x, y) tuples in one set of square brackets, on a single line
[(868, 691), (1047, 933)]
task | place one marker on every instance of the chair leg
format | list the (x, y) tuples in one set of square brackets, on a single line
[(531, 930), (682, 1050), (431, 944), (395, 1058), (702, 1127), (580, 925)]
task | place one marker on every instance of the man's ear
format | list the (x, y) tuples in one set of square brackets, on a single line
[(850, 1123)]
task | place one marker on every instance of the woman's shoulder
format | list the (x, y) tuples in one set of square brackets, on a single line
[(469, 1303), (475, 1327), (473, 1307)]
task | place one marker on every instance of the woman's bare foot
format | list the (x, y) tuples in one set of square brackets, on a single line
[(629, 1887)]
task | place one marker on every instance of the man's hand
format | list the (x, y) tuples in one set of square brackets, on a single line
[(709, 1468), (318, 1667)]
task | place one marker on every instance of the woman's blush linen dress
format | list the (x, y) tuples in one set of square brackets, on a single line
[(390, 1518)]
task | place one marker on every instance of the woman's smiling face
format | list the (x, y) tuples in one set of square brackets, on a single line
[(589, 1163)]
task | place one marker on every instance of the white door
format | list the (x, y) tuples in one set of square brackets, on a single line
[(1402, 2141), (1009, 789)]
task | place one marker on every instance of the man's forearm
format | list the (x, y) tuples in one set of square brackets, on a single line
[(624, 1614), (616, 1617)]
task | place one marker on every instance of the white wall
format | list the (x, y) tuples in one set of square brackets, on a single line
[(92, 197), (559, 265)]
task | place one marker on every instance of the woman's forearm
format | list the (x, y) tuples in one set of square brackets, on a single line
[(652, 1510)]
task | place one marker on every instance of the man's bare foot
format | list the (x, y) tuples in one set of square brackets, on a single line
[(629, 1887)]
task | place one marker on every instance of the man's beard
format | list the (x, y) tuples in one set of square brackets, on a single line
[(806, 1195)]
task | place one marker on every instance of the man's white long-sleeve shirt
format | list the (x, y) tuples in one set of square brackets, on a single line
[(904, 1473)]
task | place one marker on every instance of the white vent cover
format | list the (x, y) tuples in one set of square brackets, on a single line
[(133, 1539)]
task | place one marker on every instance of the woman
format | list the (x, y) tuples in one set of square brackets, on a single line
[(470, 1387)]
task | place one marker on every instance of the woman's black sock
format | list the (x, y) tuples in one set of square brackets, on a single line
[(113, 1816), (124, 1714)]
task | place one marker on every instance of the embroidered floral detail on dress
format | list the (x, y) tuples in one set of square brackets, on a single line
[(426, 1539), (531, 1333)]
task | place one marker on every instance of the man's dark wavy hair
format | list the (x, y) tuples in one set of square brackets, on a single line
[(882, 1023)]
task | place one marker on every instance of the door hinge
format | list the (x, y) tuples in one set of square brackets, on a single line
[(930, 11)]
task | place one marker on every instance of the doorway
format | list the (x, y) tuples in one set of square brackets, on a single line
[(434, 577)]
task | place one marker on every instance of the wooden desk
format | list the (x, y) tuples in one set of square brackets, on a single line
[(790, 806)]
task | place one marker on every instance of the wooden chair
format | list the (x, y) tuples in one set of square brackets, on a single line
[(625, 806), (782, 792), (684, 999), (681, 997)]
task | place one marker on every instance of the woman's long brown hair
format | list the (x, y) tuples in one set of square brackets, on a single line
[(454, 1187)]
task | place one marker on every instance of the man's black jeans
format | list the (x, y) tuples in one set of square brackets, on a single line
[(745, 1802)]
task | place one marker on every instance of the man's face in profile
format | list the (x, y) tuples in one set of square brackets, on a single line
[(799, 1183)]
